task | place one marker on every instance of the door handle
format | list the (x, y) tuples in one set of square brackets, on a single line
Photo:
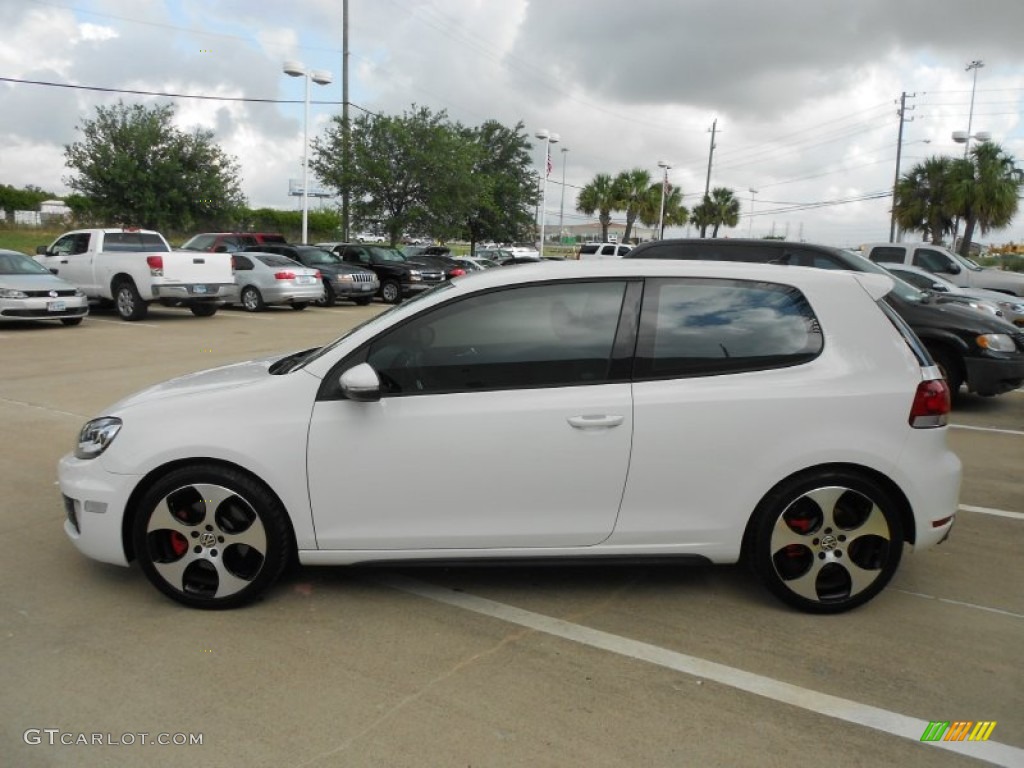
[(597, 421), (63, 261)]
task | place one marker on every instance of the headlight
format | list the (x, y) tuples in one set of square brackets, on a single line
[(79, 294), (984, 306), (414, 275), (1009, 306), (10, 293), (96, 435), (345, 278), (997, 342)]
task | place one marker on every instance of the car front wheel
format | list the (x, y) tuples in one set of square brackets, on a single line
[(211, 537), (827, 542), (391, 292), (252, 300)]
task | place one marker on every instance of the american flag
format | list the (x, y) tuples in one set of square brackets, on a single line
[(550, 164)]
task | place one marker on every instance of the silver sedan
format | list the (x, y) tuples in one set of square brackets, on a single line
[(267, 278), (28, 291)]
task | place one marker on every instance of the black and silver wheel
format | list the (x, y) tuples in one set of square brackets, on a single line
[(252, 301), (71, 320), (391, 292), (362, 301), (329, 297), (211, 538), (205, 309), (130, 305), (828, 542), (298, 306), (951, 369)]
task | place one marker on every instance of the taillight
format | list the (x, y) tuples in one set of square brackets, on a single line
[(318, 275), (931, 404), (156, 265), (284, 275), (457, 271)]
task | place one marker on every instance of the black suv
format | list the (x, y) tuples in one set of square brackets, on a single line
[(970, 347), (399, 276), (341, 280)]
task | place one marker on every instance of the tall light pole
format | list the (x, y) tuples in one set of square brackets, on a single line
[(320, 77), (549, 139), (561, 207), (750, 226), (664, 189), (965, 136)]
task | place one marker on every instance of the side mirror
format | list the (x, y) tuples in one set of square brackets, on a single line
[(360, 383), (952, 269), (939, 288), (41, 251)]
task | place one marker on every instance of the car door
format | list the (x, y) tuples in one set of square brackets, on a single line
[(73, 261), (522, 385)]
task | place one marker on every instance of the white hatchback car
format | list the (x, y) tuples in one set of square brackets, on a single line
[(616, 410)]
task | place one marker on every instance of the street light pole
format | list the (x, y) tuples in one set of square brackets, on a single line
[(561, 207), (965, 137), (549, 139), (320, 77), (750, 226), (664, 188)]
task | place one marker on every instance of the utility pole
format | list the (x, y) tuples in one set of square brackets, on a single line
[(902, 113), (711, 154), (346, 135)]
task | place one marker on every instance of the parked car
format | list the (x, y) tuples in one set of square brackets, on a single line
[(513, 260), (524, 250), (603, 251), (476, 263), (994, 302), (986, 353), (495, 255), (269, 278), (615, 410), (28, 291), (400, 277), (229, 241), (956, 268), (341, 280), (369, 237)]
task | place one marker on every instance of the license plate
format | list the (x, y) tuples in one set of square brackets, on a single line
[(304, 279), (56, 306), (198, 289), (366, 286)]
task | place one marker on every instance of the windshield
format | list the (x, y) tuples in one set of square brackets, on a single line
[(381, 253), (318, 256), (12, 263), (368, 323), (969, 263)]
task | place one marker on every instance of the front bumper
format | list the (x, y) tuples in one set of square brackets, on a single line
[(344, 289), (94, 503), (991, 376), (43, 308)]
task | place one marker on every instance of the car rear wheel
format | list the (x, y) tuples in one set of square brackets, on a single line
[(252, 300), (130, 305), (951, 369), (329, 297), (204, 310), (363, 300), (298, 306), (391, 292), (71, 320), (211, 537), (827, 542)]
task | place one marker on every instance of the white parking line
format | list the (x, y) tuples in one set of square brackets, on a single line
[(989, 511), (121, 323), (883, 720), (987, 429), (41, 408), (240, 316), (961, 603)]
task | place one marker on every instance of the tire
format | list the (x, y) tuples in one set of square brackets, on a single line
[(329, 297), (298, 306), (391, 292), (71, 320), (211, 537), (204, 310), (130, 305), (251, 299), (826, 542), (363, 300), (952, 369)]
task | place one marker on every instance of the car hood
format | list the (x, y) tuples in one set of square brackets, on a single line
[(224, 377), (1011, 281), (35, 283), (953, 314)]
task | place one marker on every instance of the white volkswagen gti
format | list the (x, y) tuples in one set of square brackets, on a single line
[(616, 410)]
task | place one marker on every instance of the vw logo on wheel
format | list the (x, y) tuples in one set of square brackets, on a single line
[(207, 540)]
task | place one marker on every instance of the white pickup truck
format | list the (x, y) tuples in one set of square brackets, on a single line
[(133, 267), (952, 266)]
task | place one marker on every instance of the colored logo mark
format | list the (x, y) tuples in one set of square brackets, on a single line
[(958, 730)]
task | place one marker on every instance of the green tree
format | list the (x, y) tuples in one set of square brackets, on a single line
[(720, 208), (985, 190), (408, 173), (137, 169), (507, 186), (598, 195), (676, 214), (27, 199), (922, 201), (632, 190)]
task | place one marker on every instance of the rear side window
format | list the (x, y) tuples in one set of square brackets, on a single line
[(588, 249), (275, 260), (704, 327), (885, 255), (711, 250), (134, 241)]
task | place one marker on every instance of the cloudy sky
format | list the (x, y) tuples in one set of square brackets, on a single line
[(804, 92)]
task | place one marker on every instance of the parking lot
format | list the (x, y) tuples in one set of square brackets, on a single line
[(560, 666)]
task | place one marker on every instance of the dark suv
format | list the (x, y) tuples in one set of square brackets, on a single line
[(223, 242), (970, 347), (341, 280), (399, 276)]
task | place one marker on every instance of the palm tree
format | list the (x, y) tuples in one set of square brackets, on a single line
[(631, 195), (676, 214), (598, 195), (703, 215), (985, 190), (922, 201), (725, 209)]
